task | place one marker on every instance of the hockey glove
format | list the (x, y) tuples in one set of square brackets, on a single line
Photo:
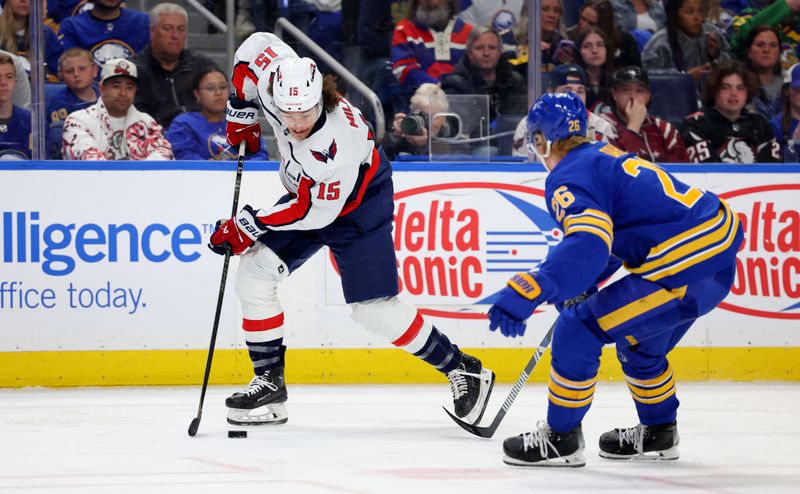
[(242, 124), (237, 234), (560, 306), (515, 305)]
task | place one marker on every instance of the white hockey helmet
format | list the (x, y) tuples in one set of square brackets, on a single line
[(297, 85)]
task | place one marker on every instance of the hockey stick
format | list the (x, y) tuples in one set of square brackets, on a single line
[(523, 378), (196, 421)]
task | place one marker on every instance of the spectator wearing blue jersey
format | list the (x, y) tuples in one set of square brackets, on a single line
[(14, 36), (15, 122), (201, 135), (58, 10), (79, 72), (785, 123), (108, 31)]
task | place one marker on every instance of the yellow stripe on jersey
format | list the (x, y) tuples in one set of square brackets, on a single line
[(591, 221), (712, 237), (639, 307)]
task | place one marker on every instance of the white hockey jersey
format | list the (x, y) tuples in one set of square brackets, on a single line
[(326, 173)]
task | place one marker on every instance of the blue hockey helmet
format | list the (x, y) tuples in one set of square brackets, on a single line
[(556, 116)]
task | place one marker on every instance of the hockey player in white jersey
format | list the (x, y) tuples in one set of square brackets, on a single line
[(340, 195)]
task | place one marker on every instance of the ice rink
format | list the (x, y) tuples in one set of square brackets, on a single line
[(735, 438)]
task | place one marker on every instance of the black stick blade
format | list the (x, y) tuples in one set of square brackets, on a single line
[(486, 432), (194, 426)]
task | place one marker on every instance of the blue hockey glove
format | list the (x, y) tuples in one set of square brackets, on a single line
[(515, 305), (508, 324)]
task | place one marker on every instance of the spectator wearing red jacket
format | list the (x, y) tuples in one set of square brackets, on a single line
[(637, 131)]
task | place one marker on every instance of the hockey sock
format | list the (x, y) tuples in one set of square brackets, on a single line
[(439, 352), (264, 339), (265, 356)]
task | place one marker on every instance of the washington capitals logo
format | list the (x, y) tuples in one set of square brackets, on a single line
[(325, 155)]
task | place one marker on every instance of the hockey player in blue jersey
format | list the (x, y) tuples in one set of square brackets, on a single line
[(678, 244)]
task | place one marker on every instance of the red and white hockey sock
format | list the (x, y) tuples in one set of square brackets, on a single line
[(264, 338)]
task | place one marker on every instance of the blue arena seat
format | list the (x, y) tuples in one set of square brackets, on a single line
[(674, 96), (50, 90)]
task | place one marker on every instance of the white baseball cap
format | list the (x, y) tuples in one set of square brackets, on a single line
[(118, 67)]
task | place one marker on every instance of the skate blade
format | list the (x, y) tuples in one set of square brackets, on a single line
[(271, 414), (574, 460), (668, 454), (487, 385)]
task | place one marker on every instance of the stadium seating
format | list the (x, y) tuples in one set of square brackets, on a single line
[(673, 96)]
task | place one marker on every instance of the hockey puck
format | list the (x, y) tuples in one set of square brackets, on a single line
[(242, 434)]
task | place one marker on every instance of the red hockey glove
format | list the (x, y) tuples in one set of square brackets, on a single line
[(242, 124), (237, 234)]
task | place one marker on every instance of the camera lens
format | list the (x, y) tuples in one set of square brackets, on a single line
[(413, 124)]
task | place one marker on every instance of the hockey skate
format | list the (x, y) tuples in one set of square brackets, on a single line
[(262, 403), (543, 447), (656, 442), (471, 384)]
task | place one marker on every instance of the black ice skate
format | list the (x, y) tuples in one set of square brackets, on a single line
[(262, 402), (656, 442), (543, 447), (471, 385)]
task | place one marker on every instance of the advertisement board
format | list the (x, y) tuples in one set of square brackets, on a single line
[(114, 258)]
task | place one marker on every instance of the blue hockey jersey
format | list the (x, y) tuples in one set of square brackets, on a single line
[(195, 138), (15, 135), (66, 102), (614, 206), (122, 37)]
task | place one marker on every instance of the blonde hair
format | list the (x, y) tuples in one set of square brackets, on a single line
[(8, 32), (430, 96), (563, 146), (74, 52)]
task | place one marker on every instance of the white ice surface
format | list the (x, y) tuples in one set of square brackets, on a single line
[(735, 438)]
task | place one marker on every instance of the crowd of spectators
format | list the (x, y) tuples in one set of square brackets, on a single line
[(132, 89)]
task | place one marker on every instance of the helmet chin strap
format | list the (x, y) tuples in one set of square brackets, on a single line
[(541, 156)]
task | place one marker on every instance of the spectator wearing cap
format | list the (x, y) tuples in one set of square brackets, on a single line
[(635, 130), (167, 68), (112, 128), (784, 124), (484, 71), (565, 78), (725, 131)]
